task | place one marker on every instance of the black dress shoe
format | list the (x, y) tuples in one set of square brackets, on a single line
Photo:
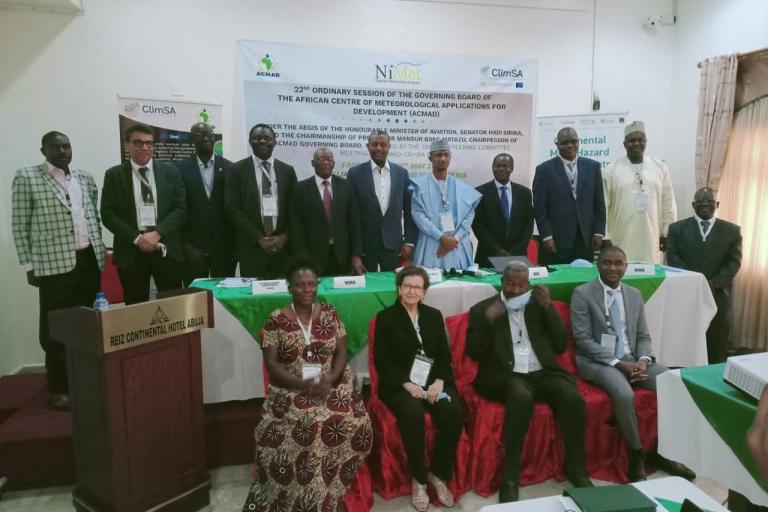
[(636, 468), (59, 401), (673, 468), (509, 491), (579, 479)]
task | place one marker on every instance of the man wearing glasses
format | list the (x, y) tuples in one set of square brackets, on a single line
[(144, 205)]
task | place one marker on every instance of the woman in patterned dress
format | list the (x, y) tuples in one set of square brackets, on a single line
[(315, 431)]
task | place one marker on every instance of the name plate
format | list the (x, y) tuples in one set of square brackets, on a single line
[(537, 272), (435, 275), (640, 269), (349, 282), (273, 286)]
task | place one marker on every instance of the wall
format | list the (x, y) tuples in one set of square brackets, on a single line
[(64, 73)]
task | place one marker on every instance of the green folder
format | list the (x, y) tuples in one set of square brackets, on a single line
[(610, 498)]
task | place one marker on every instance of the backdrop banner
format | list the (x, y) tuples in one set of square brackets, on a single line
[(171, 121), (334, 97)]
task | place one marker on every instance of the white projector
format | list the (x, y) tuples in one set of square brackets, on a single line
[(749, 373)]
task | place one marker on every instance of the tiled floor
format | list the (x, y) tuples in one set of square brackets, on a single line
[(231, 484)]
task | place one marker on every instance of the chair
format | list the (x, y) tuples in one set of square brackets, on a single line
[(390, 476), (543, 452)]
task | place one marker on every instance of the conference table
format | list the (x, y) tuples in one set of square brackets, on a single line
[(679, 307), (703, 423)]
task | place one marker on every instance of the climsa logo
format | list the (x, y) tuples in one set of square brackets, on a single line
[(400, 73), (267, 67), (135, 108), (499, 74)]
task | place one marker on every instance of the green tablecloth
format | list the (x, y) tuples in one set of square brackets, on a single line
[(358, 305), (729, 410)]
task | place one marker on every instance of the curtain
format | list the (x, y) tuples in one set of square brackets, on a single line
[(716, 94), (742, 197)]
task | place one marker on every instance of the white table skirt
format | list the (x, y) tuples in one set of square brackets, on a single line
[(686, 436)]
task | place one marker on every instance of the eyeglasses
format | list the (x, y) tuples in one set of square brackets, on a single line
[(412, 287), (143, 143)]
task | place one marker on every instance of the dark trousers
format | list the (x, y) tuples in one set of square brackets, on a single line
[(383, 260), (201, 264), (567, 250), (264, 265), (332, 267), (447, 416), (77, 287), (719, 331), (563, 397), (166, 272)]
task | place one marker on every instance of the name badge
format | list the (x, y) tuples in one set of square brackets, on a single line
[(310, 371), (420, 369), (608, 341), (538, 272), (446, 222), (273, 286), (521, 361), (640, 269), (147, 215), (435, 275), (349, 282), (642, 201), (269, 206)]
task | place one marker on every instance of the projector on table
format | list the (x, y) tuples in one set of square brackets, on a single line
[(749, 373)]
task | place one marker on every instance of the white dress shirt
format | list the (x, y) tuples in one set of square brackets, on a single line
[(382, 184), (206, 173), (74, 196), (272, 178), (608, 300), (509, 193), (138, 199), (320, 187), (704, 234), (521, 342)]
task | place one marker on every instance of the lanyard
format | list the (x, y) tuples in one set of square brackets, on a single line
[(443, 190), (514, 316), (305, 330), (638, 170), (416, 327)]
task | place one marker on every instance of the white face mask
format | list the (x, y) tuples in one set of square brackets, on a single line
[(519, 302)]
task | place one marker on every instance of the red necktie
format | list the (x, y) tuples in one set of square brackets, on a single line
[(327, 199)]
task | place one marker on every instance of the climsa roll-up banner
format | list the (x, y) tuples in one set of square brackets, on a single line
[(333, 97), (171, 121)]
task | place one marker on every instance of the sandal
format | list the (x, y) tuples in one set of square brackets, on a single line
[(443, 494), (420, 498)]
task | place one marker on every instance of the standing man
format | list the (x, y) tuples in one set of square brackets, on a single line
[(713, 247), (57, 232), (443, 208), (381, 189), (144, 205), (325, 222), (208, 234), (613, 351), (503, 221), (639, 199), (258, 190), (568, 203), (515, 341)]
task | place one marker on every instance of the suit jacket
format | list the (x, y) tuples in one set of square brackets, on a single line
[(588, 320), (719, 258), (208, 228), (311, 230), (118, 210), (41, 221), (243, 205), (396, 345), (557, 213), (490, 343), (383, 230), (492, 230)]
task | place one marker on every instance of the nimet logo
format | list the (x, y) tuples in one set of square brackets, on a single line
[(400, 73), (267, 67), (498, 74)]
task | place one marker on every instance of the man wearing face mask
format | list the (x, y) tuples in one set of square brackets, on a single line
[(515, 337)]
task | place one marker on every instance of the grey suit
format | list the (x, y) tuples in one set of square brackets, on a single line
[(593, 361)]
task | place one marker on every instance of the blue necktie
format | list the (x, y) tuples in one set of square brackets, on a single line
[(615, 314), (504, 202)]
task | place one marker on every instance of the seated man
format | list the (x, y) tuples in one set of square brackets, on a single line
[(613, 351), (514, 339)]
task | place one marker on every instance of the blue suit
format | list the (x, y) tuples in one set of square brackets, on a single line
[(382, 233), (570, 221)]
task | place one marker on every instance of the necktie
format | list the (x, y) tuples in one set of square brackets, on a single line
[(146, 191), (327, 200), (615, 314), (571, 177), (704, 227), (266, 190), (504, 202)]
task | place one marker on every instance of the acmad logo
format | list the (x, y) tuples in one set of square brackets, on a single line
[(267, 67)]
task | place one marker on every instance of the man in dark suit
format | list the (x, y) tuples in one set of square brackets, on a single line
[(713, 247), (568, 203), (613, 351), (325, 223), (504, 218), (144, 205), (208, 234), (381, 189), (515, 340), (258, 190)]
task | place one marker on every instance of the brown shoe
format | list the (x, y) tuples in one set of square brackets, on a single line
[(443, 494), (59, 401)]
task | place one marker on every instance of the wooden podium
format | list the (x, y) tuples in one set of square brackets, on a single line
[(135, 381)]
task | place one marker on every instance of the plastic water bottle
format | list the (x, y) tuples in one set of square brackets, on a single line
[(101, 303)]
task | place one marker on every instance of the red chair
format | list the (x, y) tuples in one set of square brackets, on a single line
[(388, 461), (543, 452), (359, 497)]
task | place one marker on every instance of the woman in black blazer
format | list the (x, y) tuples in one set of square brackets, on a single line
[(409, 335)]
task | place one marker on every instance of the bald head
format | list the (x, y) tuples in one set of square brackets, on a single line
[(567, 143), (705, 203)]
